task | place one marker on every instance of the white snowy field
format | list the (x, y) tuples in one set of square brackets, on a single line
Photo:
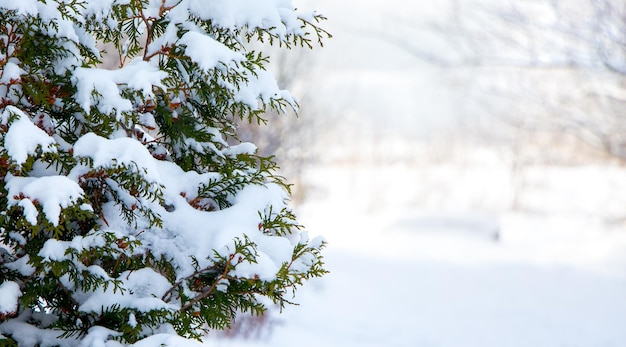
[(414, 265), (460, 251)]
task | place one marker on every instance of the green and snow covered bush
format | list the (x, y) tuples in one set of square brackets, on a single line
[(130, 212)]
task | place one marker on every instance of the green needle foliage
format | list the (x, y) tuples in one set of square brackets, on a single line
[(129, 209)]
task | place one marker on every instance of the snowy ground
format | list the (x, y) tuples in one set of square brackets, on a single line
[(412, 268), (431, 253)]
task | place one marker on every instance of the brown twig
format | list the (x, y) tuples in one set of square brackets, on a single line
[(179, 282), (208, 293)]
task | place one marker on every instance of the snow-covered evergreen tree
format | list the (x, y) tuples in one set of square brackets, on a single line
[(130, 212)]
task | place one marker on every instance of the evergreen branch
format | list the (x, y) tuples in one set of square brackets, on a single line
[(209, 292), (186, 120), (167, 297)]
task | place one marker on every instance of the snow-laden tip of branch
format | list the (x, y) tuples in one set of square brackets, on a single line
[(276, 16), (56, 250), (99, 336), (108, 84), (9, 293), (11, 72), (143, 288), (208, 53), (49, 12), (263, 88), (52, 193), (242, 148), (120, 151), (23, 137), (22, 7), (166, 340), (99, 9)]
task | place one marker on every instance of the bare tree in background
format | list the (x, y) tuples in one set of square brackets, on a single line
[(572, 60), (546, 67)]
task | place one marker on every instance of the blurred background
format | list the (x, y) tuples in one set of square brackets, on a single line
[(465, 161)]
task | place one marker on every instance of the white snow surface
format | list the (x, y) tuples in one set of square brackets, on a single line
[(23, 137), (106, 153), (197, 45), (52, 193), (242, 148), (411, 266), (21, 6), (55, 250), (262, 87), (10, 71), (145, 289), (22, 266), (193, 232), (138, 75), (166, 340), (9, 293), (277, 15)]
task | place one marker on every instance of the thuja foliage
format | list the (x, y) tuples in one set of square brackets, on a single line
[(130, 211)]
